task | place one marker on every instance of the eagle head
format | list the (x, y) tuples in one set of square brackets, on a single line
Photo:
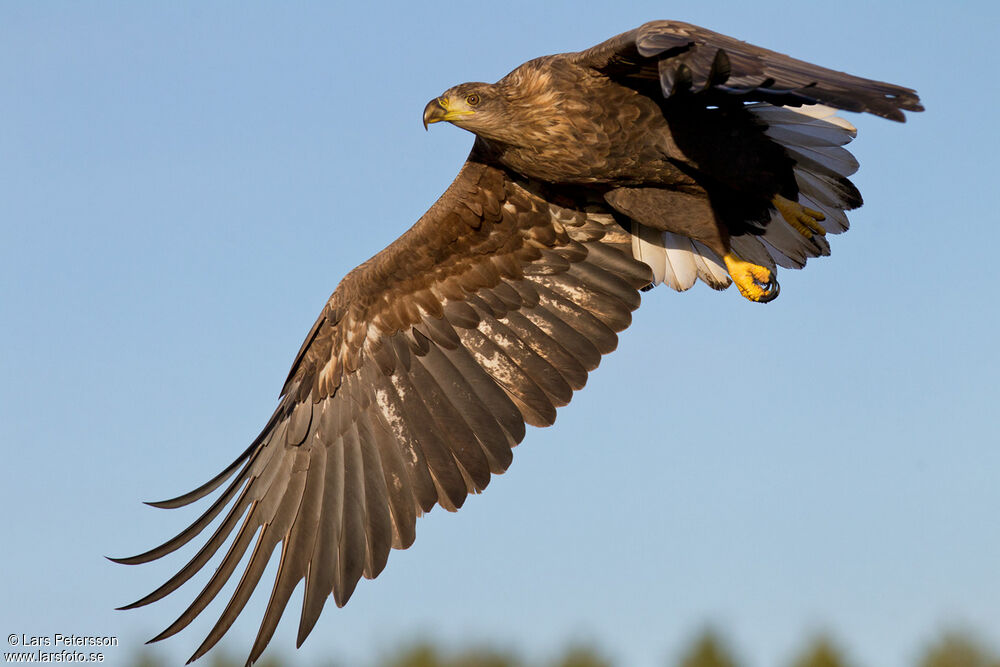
[(476, 107)]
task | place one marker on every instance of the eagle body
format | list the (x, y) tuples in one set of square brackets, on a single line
[(667, 154), (695, 171), (557, 133)]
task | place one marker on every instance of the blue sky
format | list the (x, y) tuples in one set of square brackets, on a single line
[(182, 185)]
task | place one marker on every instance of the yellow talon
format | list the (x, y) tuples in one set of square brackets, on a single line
[(804, 220), (756, 283)]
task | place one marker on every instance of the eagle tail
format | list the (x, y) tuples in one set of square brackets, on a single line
[(677, 261)]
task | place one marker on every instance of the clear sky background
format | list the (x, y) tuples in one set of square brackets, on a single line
[(183, 184)]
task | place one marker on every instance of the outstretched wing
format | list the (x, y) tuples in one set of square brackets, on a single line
[(411, 389), (687, 58)]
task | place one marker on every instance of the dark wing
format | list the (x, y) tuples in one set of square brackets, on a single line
[(411, 390), (681, 62), (686, 58)]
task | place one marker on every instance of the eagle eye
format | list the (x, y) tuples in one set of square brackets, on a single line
[(472, 100)]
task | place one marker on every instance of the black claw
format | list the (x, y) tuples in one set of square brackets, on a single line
[(773, 290)]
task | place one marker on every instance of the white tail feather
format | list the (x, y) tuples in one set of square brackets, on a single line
[(710, 267), (680, 261), (676, 260), (646, 247)]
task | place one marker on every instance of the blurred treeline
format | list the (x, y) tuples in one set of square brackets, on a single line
[(709, 649)]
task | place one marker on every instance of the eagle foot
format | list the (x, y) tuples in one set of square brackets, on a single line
[(804, 220), (755, 282)]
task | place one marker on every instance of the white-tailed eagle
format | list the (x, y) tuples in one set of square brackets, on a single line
[(667, 154)]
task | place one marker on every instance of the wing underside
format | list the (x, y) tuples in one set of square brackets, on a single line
[(412, 390)]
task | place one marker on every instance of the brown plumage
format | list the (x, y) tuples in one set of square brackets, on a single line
[(661, 155)]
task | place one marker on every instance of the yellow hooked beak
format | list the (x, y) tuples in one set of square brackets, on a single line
[(440, 108)]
